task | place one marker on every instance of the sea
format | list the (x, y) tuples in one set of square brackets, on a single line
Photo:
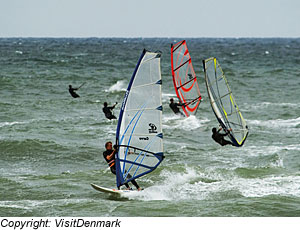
[(51, 145)]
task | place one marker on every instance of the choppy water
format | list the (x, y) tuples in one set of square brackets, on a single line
[(51, 144)]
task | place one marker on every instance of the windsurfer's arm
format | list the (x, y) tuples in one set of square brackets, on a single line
[(114, 105), (112, 155), (226, 132), (180, 104)]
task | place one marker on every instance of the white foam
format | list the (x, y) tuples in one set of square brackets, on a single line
[(187, 123), (168, 118), (257, 187), (172, 185), (274, 124), (117, 87), (279, 185), (31, 204), (190, 184), (12, 204), (167, 96), (2, 124), (263, 105), (264, 150)]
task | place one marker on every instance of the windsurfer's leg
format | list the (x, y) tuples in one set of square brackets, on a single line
[(225, 142), (127, 185), (75, 95), (110, 117), (113, 170), (180, 113), (135, 184)]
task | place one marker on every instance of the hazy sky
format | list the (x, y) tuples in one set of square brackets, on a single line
[(149, 18)]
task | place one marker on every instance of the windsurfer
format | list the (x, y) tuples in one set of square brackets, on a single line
[(219, 137), (109, 156), (72, 91), (174, 107), (107, 110)]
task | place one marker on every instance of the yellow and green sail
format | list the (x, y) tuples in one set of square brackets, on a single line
[(223, 103)]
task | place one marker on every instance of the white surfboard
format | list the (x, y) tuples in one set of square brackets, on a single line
[(109, 190)]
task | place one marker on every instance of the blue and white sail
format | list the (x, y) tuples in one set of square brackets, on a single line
[(139, 133)]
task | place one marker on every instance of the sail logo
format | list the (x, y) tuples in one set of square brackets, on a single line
[(144, 138), (153, 128), (125, 99)]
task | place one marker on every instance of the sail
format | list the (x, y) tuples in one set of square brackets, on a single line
[(184, 78), (139, 132), (223, 103)]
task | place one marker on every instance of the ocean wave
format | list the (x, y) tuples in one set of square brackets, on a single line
[(275, 185), (187, 123), (2, 124), (29, 148), (168, 190), (39, 120), (193, 183), (254, 187), (14, 205), (270, 149), (31, 205), (167, 96), (264, 105), (119, 86), (275, 124)]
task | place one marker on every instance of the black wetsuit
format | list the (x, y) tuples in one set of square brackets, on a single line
[(174, 107), (111, 163), (72, 92), (107, 111), (219, 138)]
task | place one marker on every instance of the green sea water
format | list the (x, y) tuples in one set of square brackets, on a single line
[(51, 144)]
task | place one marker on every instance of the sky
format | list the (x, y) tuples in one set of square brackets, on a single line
[(149, 18)]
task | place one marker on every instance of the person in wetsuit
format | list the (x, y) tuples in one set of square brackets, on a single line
[(107, 110), (109, 156), (174, 107), (219, 137), (72, 91)]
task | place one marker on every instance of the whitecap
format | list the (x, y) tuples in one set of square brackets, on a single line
[(254, 187), (117, 87), (187, 123), (2, 124), (279, 185), (266, 104), (172, 188), (167, 96), (275, 124)]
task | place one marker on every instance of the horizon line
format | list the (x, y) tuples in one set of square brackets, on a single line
[(147, 37)]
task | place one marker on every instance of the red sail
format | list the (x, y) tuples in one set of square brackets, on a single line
[(184, 78)]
